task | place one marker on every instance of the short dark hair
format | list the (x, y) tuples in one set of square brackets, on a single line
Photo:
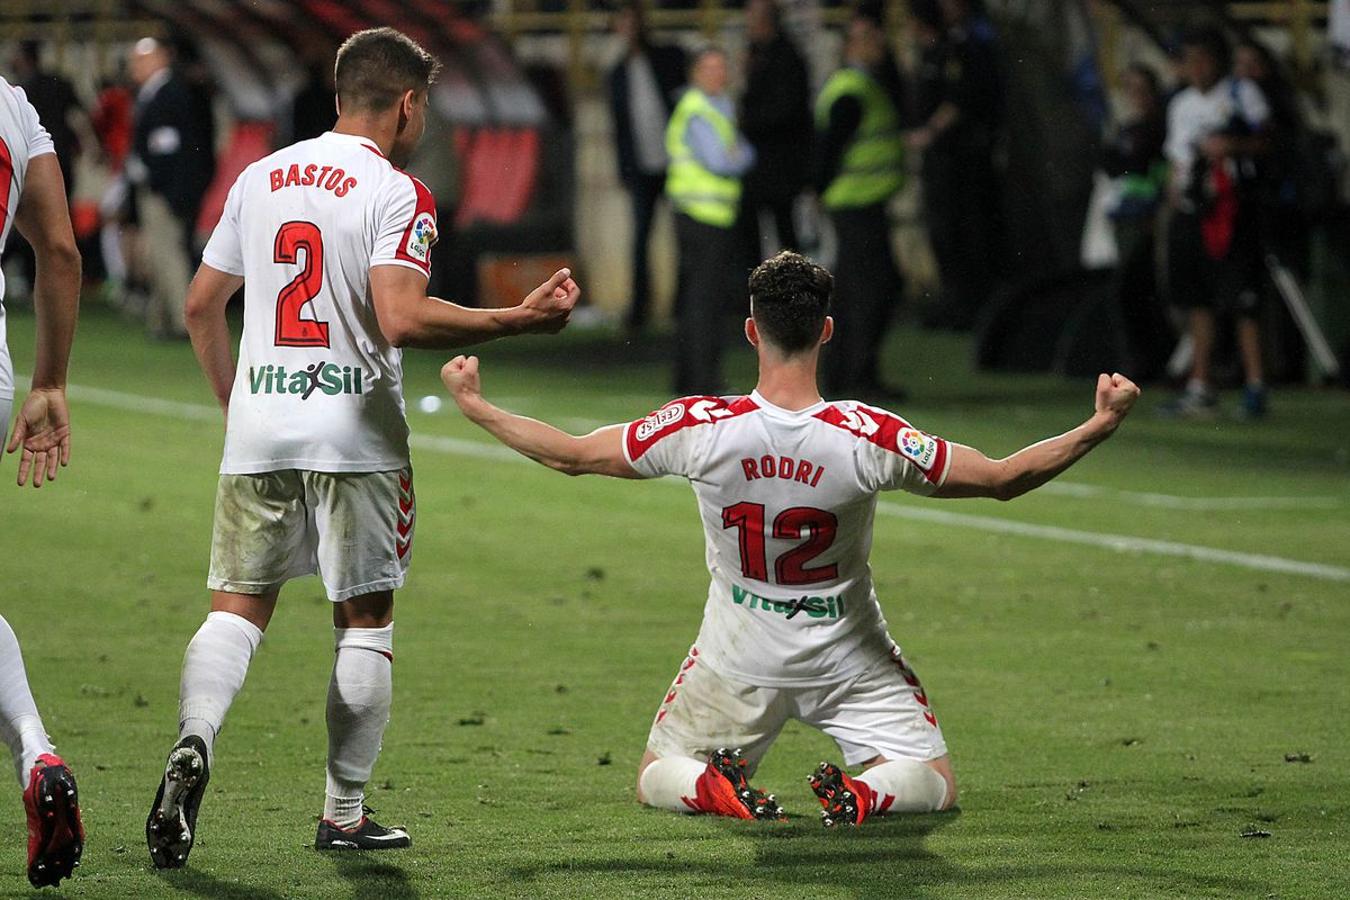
[(1212, 41), (790, 297), (376, 66)]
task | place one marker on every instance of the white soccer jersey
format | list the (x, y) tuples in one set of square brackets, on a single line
[(22, 138), (318, 387), (787, 500)]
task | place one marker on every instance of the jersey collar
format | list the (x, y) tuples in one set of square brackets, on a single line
[(781, 413), (360, 139)]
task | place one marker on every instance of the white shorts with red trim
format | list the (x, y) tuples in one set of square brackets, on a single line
[(881, 712), (353, 529)]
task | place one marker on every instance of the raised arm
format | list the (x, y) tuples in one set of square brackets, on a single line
[(410, 318), (972, 474), (42, 426), (598, 453)]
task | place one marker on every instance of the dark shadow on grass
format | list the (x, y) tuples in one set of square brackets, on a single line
[(885, 858), (372, 879), (195, 881)]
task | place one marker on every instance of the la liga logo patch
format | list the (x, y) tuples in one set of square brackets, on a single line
[(919, 447), (422, 237)]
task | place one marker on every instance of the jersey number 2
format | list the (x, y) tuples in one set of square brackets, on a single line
[(790, 568), (293, 331)]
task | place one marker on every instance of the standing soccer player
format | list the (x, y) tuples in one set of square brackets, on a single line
[(787, 486), (332, 243), (33, 197)]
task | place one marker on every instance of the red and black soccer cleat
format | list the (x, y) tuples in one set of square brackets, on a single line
[(845, 801), (55, 832), (724, 790), (367, 835)]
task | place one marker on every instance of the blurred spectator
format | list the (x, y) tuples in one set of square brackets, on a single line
[(776, 119), (961, 103), (171, 166), (112, 120), (312, 108), (860, 162), (708, 157), (57, 106), (1133, 157), (1284, 229), (1215, 131), (643, 87)]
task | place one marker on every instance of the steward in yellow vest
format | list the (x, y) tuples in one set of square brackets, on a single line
[(860, 166), (708, 156), (872, 167)]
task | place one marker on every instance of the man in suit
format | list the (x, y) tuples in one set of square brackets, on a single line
[(643, 88), (173, 161)]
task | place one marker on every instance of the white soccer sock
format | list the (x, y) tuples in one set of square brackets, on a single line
[(359, 697), (915, 787), (20, 724), (214, 667), (667, 781)]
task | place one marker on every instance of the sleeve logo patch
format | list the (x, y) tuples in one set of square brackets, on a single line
[(662, 418), (422, 237), (919, 447)]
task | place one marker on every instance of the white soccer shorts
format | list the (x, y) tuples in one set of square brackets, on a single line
[(881, 712), (354, 529)]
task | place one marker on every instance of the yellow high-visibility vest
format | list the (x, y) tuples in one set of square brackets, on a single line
[(694, 190), (873, 165)]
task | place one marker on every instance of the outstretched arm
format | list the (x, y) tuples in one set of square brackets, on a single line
[(410, 318), (972, 474), (42, 426), (598, 453)]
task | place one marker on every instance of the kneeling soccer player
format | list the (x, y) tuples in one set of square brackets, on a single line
[(787, 486)]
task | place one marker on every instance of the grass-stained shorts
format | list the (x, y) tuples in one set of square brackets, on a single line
[(881, 712), (353, 529)]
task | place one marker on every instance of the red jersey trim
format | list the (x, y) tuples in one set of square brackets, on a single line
[(892, 433), (677, 415)]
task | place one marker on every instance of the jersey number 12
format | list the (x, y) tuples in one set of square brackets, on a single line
[(293, 331), (818, 524)]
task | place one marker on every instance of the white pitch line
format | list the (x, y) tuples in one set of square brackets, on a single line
[(1194, 504), (497, 453)]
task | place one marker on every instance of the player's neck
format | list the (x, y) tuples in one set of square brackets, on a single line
[(380, 133), (788, 384)]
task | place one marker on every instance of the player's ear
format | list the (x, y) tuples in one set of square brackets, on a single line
[(406, 106), (827, 331), (751, 332)]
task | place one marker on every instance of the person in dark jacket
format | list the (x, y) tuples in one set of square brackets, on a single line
[(961, 111), (1133, 157), (172, 164), (776, 118), (643, 88)]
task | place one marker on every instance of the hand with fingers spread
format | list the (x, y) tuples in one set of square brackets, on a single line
[(42, 431), (552, 302)]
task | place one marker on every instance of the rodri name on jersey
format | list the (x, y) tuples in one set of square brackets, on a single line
[(326, 377)]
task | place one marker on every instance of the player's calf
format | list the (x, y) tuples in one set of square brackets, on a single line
[(719, 787), (902, 785)]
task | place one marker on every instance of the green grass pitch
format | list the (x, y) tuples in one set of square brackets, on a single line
[(1118, 719)]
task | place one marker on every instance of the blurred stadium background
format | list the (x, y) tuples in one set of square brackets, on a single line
[(1137, 667), (521, 153)]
